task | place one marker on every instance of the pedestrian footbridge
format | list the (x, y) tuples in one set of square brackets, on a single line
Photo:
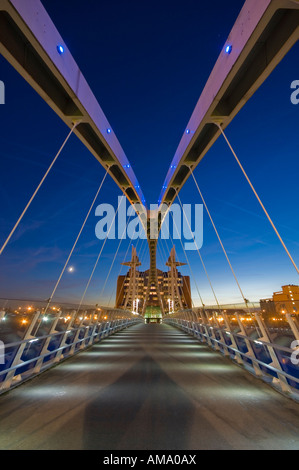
[(150, 386)]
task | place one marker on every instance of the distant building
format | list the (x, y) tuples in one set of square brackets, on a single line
[(268, 306), (285, 301), (174, 288)]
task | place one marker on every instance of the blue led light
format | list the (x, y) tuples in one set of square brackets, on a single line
[(228, 48), (188, 131), (60, 49), (109, 131)]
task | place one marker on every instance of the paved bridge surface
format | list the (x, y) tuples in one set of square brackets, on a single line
[(150, 387)]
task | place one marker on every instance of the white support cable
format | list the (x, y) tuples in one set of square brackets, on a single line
[(224, 250), (97, 260), (123, 262), (163, 250), (115, 255), (189, 265), (218, 236), (160, 254), (199, 254), (143, 253), (120, 272), (166, 256), (132, 286), (173, 288), (167, 249), (75, 244), (258, 198), (37, 189)]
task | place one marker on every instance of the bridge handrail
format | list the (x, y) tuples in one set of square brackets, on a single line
[(260, 340), (57, 333), (54, 350), (228, 346), (95, 332), (206, 333)]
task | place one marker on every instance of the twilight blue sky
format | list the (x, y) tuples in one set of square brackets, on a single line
[(147, 63)]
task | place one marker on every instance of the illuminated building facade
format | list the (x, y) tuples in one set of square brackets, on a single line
[(287, 301), (284, 301), (133, 288)]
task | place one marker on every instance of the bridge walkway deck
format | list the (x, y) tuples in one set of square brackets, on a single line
[(149, 387)]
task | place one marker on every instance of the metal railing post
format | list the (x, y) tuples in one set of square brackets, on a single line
[(73, 347), (281, 380), (230, 332), (251, 353), (60, 353), (17, 359), (44, 350), (220, 331), (293, 322)]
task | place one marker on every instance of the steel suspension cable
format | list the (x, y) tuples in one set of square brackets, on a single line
[(199, 254), (115, 255), (37, 189), (121, 267), (75, 244), (189, 265), (218, 236), (124, 259), (258, 198), (163, 250), (189, 291), (161, 254), (142, 250), (97, 260), (224, 251)]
